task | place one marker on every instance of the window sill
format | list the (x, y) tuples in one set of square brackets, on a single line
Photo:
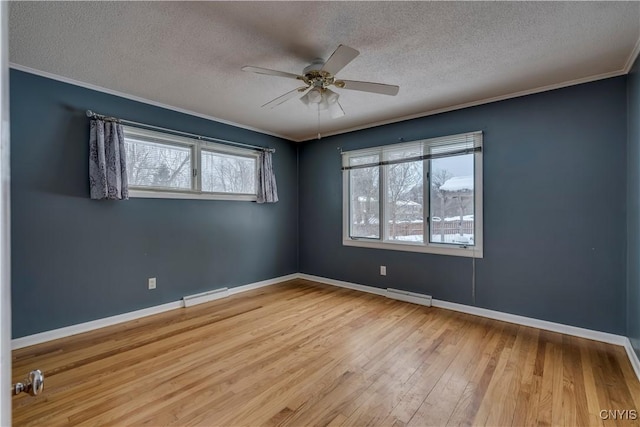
[(469, 252), (158, 194)]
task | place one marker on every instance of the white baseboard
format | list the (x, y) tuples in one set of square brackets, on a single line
[(505, 317), (67, 331), (633, 357), (477, 311), (491, 314), (262, 284), (411, 297), (406, 296), (125, 317), (202, 297), (534, 323), (342, 284)]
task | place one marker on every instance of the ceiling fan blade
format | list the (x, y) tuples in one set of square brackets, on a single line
[(339, 59), (335, 110), (269, 72), (368, 87), (301, 91)]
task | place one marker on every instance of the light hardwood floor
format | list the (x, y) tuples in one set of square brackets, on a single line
[(302, 353)]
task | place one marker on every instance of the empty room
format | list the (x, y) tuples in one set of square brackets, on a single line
[(320, 213)]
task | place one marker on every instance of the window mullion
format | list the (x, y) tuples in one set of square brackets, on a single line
[(346, 204), (426, 202), (382, 204), (196, 173)]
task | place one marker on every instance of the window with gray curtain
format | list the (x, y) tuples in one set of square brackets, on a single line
[(107, 161), (166, 165), (267, 188)]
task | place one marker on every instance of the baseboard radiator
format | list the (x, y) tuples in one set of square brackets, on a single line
[(409, 297), (200, 298)]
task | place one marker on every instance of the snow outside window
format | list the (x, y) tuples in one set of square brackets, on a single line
[(420, 196), (161, 165)]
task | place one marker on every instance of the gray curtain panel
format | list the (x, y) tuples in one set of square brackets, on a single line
[(267, 189), (107, 161)]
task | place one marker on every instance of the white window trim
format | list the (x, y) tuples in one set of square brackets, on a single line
[(475, 251), (196, 146), (192, 195)]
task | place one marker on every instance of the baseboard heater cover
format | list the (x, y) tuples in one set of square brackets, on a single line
[(409, 297), (200, 298)]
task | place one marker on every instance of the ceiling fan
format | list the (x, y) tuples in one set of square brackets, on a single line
[(317, 78)]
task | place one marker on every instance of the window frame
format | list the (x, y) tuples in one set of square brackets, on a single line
[(196, 147), (475, 251)]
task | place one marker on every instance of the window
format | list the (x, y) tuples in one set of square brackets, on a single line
[(365, 193), (419, 196), (165, 165)]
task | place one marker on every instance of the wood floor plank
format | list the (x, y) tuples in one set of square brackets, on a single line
[(333, 401), (550, 400), (484, 369), (590, 387), (526, 401), (277, 357), (443, 398), (491, 405), (302, 353)]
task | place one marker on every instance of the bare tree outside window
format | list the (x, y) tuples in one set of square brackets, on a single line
[(226, 173), (365, 194), (404, 204), (165, 165), (158, 165), (438, 200), (418, 196)]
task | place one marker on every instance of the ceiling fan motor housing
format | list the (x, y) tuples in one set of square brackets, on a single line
[(314, 75), (316, 65)]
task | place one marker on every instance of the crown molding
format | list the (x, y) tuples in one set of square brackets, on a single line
[(632, 57), (634, 54), (481, 101), (85, 85)]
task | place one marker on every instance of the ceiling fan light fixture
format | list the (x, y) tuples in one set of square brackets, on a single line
[(324, 105), (331, 96), (321, 99), (314, 96)]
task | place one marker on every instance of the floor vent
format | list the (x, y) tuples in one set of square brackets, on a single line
[(196, 299), (409, 297)]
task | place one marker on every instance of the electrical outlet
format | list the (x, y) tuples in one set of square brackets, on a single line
[(152, 283), (383, 270)]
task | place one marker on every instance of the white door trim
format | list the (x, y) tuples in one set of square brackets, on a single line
[(5, 225)]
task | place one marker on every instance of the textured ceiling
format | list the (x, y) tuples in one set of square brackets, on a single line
[(442, 54)]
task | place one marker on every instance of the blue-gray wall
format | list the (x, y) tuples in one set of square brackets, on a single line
[(633, 212), (555, 201), (75, 259), (554, 209)]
